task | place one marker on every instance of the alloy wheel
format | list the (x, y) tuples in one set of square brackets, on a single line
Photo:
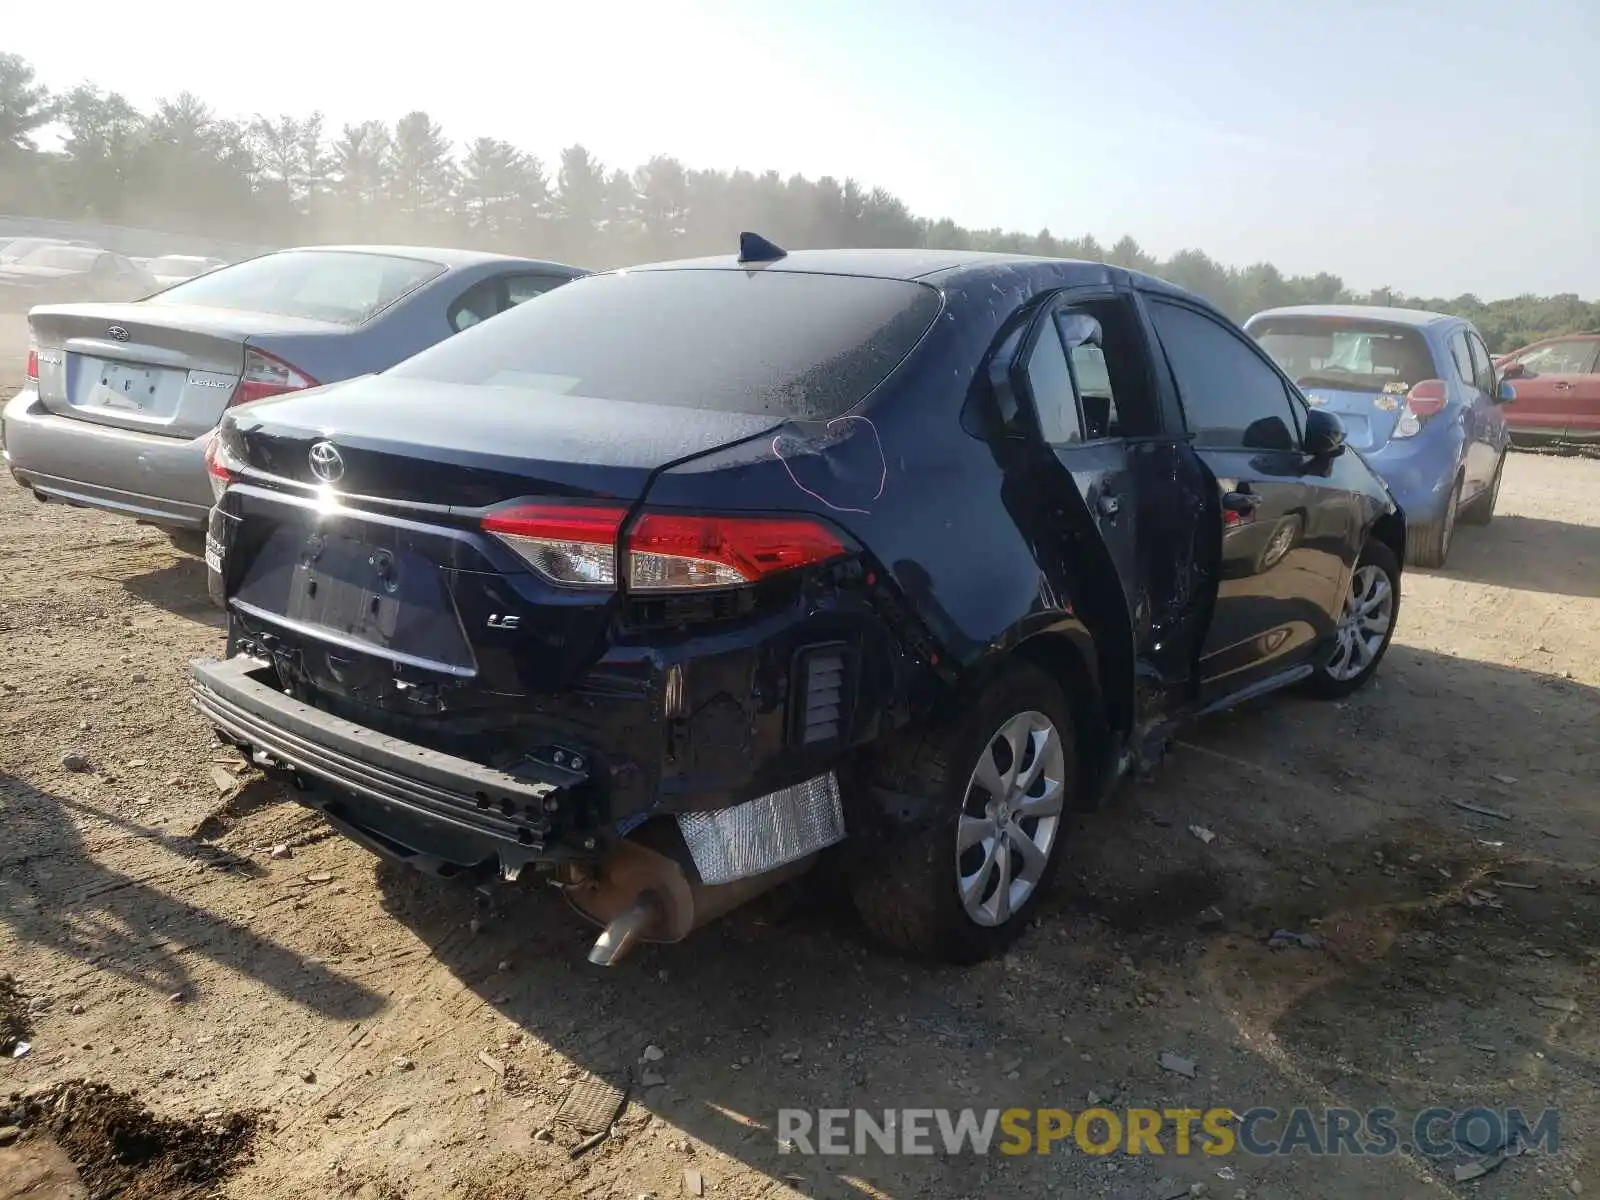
[(1368, 612), (1010, 818)]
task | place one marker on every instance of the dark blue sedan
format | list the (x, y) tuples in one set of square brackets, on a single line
[(660, 587), (1419, 397)]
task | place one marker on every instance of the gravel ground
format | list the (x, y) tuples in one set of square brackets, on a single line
[(391, 1037)]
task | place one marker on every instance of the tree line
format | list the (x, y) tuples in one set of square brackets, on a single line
[(286, 178)]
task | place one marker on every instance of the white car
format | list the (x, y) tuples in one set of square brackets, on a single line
[(175, 268)]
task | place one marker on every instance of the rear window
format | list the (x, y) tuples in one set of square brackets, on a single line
[(343, 286), (1354, 355), (765, 342)]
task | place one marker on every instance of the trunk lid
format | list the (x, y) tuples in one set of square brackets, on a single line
[(468, 446), (166, 370), (1369, 417), (396, 598)]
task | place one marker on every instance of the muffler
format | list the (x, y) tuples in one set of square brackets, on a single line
[(644, 895)]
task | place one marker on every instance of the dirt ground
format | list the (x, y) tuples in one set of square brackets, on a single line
[(395, 1038)]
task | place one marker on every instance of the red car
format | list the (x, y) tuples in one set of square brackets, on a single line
[(1557, 382)]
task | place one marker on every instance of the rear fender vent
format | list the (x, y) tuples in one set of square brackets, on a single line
[(822, 688)]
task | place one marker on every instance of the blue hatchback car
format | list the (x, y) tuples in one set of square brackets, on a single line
[(1419, 397)]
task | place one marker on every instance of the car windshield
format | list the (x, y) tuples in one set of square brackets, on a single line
[(763, 342), (343, 286), (1337, 352)]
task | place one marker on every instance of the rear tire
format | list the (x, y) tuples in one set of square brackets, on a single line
[(1481, 510), (923, 896), (1430, 544), (1372, 605)]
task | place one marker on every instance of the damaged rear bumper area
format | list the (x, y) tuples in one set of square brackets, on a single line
[(406, 801), (450, 816)]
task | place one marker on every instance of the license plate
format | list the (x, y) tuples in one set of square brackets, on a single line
[(124, 386)]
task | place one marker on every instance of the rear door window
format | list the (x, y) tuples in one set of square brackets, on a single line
[(1050, 384), (347, 287), (788, 343)]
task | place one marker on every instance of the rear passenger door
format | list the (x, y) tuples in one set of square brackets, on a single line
[(1107, 501), (1290, 534)]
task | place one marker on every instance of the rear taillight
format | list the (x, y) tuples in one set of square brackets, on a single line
[(1423, 401), (221, 467), (32, 370), (575, 545), (266, 375)]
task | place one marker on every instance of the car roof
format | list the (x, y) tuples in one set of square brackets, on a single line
[(448, 256), (1415, 317), (952, 266)]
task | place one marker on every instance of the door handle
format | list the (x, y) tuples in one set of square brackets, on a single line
[(1563, 386), (1240, 502)]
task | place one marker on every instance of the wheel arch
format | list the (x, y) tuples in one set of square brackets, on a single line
[(1066, 652), (1390, 529)]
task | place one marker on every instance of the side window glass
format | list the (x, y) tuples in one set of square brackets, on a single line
[(522, 288), (1462, 356), (1231, 398), (478, 303), (1050, 387), (1482, 368), (1558, 358)]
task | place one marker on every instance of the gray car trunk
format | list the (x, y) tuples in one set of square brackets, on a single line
[(165, 369)]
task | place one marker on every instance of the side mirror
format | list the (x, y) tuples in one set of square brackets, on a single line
[(1506, 394), (1514, 370), (1324, 434)]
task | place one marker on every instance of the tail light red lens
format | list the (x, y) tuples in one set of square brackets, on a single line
[(573, 545), (1427, 397), (1422, 401), (221, 467), (32, 370), (266, 375), (576, 545), (668, 551)]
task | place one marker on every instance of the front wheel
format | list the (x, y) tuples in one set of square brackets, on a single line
[(1002, 777), (1366, 624)]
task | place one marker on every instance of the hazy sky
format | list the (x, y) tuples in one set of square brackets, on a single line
[(1438, 146)]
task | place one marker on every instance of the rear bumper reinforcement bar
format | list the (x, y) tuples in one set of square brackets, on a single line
[(421, 788)]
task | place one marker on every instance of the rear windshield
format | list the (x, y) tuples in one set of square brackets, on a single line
[(343, 286), (766, 342), (1349, 354)]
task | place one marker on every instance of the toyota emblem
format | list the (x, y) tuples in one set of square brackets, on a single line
[(327, 464), (118, 332)]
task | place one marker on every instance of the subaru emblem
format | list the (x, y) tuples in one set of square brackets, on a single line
[(327, 464), (118, 332)]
